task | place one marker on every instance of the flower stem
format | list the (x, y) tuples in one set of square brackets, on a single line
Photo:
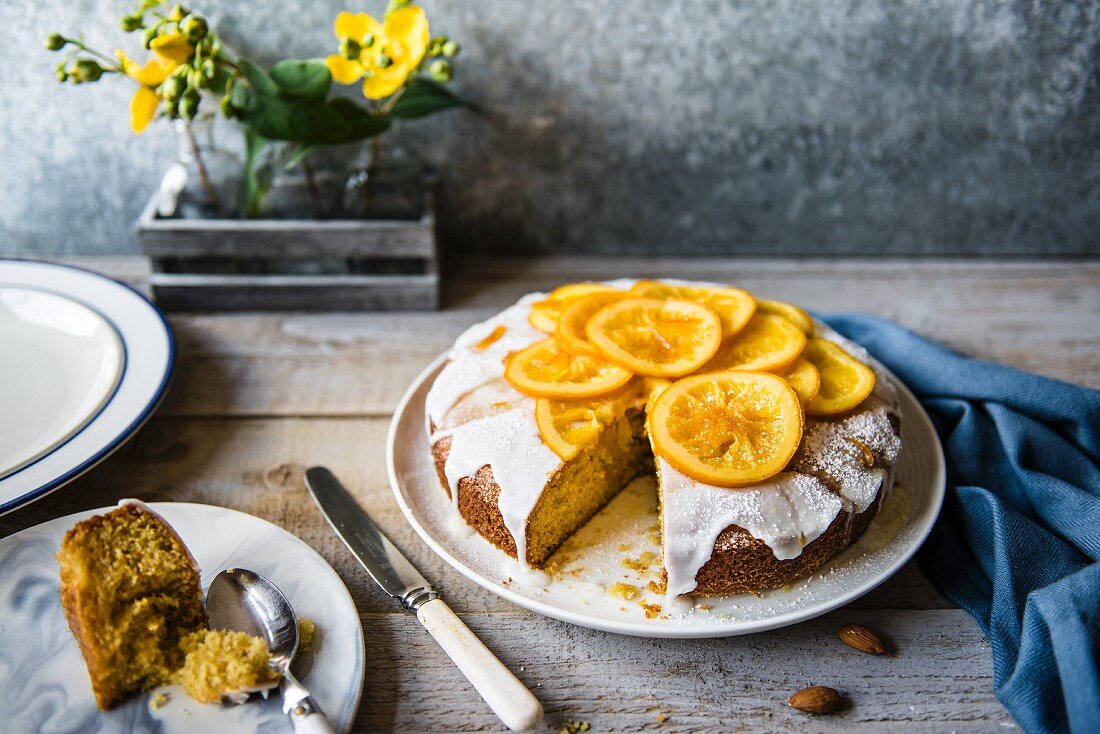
[(211, 195), (311, 185)]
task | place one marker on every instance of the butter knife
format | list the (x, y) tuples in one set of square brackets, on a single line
[(506, 695)]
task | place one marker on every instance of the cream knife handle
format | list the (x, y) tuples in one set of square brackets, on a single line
[(506, 695)]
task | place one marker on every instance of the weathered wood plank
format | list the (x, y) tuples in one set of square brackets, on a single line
[(937, 678), (1041, 318), (256, 465)]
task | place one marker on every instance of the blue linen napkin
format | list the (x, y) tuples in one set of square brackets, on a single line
[(1018, 541)]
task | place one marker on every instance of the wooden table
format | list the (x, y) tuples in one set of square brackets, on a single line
[(257, 397)]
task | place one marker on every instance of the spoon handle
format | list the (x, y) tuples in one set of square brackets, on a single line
[(304, 713), (506, 695)]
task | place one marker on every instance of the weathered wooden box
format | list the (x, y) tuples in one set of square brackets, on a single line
[(288, 264)]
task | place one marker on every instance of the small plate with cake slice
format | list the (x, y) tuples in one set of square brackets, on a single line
[(665, 459), (103, 628)]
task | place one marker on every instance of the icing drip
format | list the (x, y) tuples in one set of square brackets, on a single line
[(787, 512), (509, 444)]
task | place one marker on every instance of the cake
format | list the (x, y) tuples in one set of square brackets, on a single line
[(132, 597), (131, 594), (773, 438)]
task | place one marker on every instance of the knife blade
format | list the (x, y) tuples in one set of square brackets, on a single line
[(382, 560), (506, 695)]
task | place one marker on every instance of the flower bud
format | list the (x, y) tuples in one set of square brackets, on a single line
[(194, 28), (383, 61), (349, 48), (147, 36), (131, 23), (440, 70), (172, 88), (61, 75), (208, 69), (55, 42), (451, 48), (189, 105), (177, 13), (226, 107), (88, 70), (197, 80), (368, 40)]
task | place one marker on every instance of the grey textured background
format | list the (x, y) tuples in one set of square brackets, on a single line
[(695, 126)]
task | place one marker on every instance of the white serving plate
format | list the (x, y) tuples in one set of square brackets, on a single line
[(593, 560), (44, 684), (84, 360)]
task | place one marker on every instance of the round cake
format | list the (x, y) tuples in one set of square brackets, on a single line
[(772, 438)]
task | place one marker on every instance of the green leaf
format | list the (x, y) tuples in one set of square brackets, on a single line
[(423, 97), (362, 123), (309, 79), (261, 82)]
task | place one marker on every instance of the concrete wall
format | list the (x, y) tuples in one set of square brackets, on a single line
[(694, 126)]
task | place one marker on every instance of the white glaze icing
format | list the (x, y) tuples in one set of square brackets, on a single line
[(787, 512), (492, 424), (521, 463)]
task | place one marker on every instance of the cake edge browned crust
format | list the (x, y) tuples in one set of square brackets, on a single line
[(739, 563), (76, 614)]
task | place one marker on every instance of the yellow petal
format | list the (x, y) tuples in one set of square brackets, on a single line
[(156, 70), (172, 46), (407, 30), (356, 26), (143, 106), (384, 82), (344, 71)]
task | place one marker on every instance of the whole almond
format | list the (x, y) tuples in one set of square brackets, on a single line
[(817, 700), (861, 638)]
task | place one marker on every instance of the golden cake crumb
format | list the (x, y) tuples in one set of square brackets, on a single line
[(651, 610), (623, 591), (306, 628), (574, 727), (640, 564), (223, 663), (158, 700), (662, 718)]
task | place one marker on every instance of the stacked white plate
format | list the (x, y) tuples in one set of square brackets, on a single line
[(84, 360)]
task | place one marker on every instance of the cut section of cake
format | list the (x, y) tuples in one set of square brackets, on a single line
[(773, 449), (131, 594)]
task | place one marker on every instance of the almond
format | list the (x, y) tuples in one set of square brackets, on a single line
[(817, 700), (861, 638)]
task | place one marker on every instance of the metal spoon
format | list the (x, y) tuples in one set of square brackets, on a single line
[(243, 600)]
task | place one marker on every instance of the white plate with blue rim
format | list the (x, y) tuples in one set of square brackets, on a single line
[(84, 361), (43, 681)]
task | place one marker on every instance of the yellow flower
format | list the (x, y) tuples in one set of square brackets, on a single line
[(388, 51), (168, 53)]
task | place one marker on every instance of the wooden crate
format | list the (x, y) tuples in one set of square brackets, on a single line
[(278, 265)]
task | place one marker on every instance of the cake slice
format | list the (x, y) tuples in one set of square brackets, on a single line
[(131, 594)]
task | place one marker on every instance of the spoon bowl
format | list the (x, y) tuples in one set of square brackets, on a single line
[(245, 601)]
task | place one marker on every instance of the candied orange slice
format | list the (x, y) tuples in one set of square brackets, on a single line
[(544, 371), (545, 313), (769, 343), (804, 378), (570, 332), (567, 426), (845, 381), (789, 311), (656, 337), (727, 429), (734, 306)]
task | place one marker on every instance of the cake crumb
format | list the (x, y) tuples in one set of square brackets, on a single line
[(640, 564), (662, 718), (158, 700), (623, 547), (651, 610), (306, 628), (574, 727), (623, 591), (704, 607)]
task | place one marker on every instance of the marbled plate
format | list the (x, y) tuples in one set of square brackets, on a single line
[(44, 684)]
